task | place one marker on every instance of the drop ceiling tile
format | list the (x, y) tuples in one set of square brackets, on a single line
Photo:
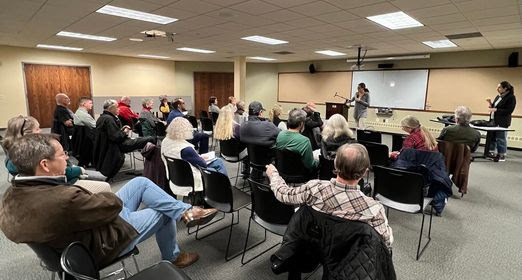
[(315, 8), (376, 9), (139, 5), (175, 13), (497, 20), (224, 3), (334, 17), (448, 27), (288, 3), (475, 5), (325, 28), (408, 5), (500, 27), (95, 23), (434, 11), (282, 15), (492, 12), (361, 26), (349, 4), (255, 7), (196, 6), (441, 19), (304, 22)]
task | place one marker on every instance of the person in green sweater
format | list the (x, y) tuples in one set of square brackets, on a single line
[(461, 132), (294, 141)]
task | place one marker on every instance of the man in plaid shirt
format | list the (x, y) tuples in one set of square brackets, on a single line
[(341, 196)]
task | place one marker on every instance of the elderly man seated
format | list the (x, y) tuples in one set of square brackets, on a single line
[(461, 132), (341, 196), (41, 207)]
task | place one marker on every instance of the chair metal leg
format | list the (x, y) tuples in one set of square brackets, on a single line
[(230, 227), (419, 254), (245, 249)]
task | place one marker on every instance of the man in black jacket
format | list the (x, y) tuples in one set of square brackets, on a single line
[(112, 141), (500, 112), (257, 130), (313, 124), (63, 121)]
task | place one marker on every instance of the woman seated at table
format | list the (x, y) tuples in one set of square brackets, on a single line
[(419, 137), (335, 134)]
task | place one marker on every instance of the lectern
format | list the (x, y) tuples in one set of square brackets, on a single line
[(336, 108)]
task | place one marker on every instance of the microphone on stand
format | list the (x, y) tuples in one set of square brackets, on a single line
[(337, 95)]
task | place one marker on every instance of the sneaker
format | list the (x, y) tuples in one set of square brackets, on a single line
[(491, 156), (185, 259), (501, 158)]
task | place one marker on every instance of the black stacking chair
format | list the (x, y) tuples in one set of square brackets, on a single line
[(161, 129), (221, 195), (260, 156), (78, 262), (193, 121), (231, 151), (269, 213), (369, 136), (379, 153), (397, 140), (291, 167), (208, 128), (180, 174), (404, 191), (214, 116), (203, 114), (326, 168), (50, 260)]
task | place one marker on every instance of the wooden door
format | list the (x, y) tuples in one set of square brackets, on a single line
[(43, 82), (207, 84)]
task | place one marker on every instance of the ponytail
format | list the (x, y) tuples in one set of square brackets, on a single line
[(429, 140)]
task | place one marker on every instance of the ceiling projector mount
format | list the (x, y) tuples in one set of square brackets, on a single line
[(360, 58), (159, 34)]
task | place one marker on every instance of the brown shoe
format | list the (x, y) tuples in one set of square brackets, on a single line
[(198, 216), (185, 259)]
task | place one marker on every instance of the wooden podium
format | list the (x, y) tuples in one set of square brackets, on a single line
[(336, 108)]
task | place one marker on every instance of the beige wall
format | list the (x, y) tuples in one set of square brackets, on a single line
[(110, 75)]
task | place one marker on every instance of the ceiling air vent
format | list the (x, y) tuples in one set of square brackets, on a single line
[(284, 52), (464, 36)]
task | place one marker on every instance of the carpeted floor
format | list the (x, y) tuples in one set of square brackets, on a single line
[(478, 237)]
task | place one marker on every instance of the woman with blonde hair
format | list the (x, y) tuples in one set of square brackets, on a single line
[(335, 134), (19, 126), (419, 136), (274, 115), (175, 145), (226, 127)]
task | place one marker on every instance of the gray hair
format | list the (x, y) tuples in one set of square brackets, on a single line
[(296, 117), (180, 129), (351, 161), (28, 151), (145, 101), (109, 103), (336, 126), (462, 115)]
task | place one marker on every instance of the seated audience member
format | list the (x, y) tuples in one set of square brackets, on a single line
[(175, 145), (257, 130), (293, 141), (274, 115), (240, 116), (112, 141), (419, 137), (226, 128), (147, 119), (109, 224), (213, 105), (63, 120), (19, 126), (335, 134), (198, 139), (313, 124), (461, 132), (125, 113), (83, 117), (164, 107), (351, 164)]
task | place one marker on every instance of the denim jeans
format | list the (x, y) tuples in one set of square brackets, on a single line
[(200, 142), (159, 217), (219, 166), (499, 141)]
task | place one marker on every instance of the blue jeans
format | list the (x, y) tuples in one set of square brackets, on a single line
[(218, 166), (499, 141), (200, 142), (159, 217)]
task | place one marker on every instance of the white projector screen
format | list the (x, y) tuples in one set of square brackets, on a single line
[(401, 89)]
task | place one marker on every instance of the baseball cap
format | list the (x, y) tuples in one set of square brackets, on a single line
[(255, 107)]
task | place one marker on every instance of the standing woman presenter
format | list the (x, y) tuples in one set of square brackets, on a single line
[(362, 101), (500, 112)]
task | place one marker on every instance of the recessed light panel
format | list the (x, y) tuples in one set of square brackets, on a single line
[(330, 53), (153, 56), (136, 39), (85, 36), (440, 44), (195, 50), (264, 40), (58, 47), (397, 20), (133, 14), (261, 58)]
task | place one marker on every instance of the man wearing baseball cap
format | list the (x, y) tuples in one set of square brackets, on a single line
[(257, 130)]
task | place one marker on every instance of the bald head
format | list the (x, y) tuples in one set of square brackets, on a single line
[(125, 100), (62, 99), (351, 161)]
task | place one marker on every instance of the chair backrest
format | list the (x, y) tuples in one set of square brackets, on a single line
[(49, 256), (203, 114), (267, 207), (397, 140), (206, 124), (193, 121), (218, 191), (161, 129), (259, 156), (379, 153), (369, 136), (326, 168), (214, 116), (290, 166), (180, 172), (77, 261), (399, 185), (230, 148)]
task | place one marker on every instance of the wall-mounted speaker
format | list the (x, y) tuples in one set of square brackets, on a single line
[(385, 65), (513, 59), (311, 68)]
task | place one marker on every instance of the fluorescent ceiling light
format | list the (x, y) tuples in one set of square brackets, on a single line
[(261, 58), (440, 44), (85, 36), (58, 47), (397, 20), (136, 39), (264, 40), (153, 56), (133, 14), (330, 53), (195, 50), (403, 57)]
